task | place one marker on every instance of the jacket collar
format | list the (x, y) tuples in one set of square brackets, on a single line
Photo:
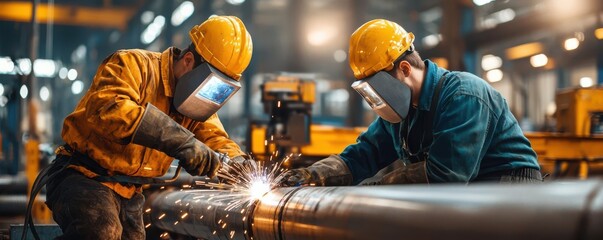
[(167, 73), (433, 73)]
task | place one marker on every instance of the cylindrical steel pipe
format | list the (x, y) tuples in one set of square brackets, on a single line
[(560, 210), (200, 213)]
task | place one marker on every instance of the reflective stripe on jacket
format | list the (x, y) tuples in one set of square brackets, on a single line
[(474, 133), (103, 122)]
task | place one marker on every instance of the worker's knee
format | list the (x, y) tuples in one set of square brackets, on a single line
[(85, 209), (102, 228)]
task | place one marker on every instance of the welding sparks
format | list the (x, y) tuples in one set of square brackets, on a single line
[(247, 182), (241, 186)]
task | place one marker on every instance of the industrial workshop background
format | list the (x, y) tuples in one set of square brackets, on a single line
[(544, 56)]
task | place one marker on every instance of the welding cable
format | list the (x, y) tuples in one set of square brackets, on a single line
[(40, 181)]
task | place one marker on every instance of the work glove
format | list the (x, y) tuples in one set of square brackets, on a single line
[(158, 131), (233, 168), (403, 174), (331, 171)]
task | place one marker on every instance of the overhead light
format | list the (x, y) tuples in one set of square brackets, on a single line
[(318, 37), (44, 68), (77, 87), (235, 2), (182, 12), (494, 75), (79, 53), (72, 74), (539, 60), (63, 72), (502, 16), (490, 62), (599, 33), (586, 82), (340, 56), (505, 15), (6, 65), (146, 17), (524, 50), (153, 30), (571, 44), (44, 93), (481, 2), (23, 91), (432, 40), (3, 101), (24, 65)]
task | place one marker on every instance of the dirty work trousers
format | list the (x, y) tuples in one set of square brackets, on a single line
[(86, 209)]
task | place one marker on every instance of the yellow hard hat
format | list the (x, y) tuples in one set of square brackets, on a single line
[(375, 46), (223, 41)]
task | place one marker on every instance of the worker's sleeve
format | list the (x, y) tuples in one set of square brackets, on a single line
[(212, 133), (463, 129), (373, 150), (113, 110)]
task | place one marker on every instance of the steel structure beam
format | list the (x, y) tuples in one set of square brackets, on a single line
[(106, 17)]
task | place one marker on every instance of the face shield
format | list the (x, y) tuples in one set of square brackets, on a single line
[(386, 95), (203, 91)]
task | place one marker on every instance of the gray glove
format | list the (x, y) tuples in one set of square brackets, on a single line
[(331, 171), (403, 174), (245, 162), (158, 131)]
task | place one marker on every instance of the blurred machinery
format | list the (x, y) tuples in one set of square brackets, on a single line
[(481, 211), (577, 148), (580, 111), (288, 101)]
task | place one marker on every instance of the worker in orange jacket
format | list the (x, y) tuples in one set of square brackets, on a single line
[(142, 110)]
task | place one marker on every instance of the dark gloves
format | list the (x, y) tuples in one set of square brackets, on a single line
[(331, 171), (232, 169), (245, 162), (158, 131), (198, 159), (403, 174)]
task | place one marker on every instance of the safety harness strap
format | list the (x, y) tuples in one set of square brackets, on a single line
[(432, 109)]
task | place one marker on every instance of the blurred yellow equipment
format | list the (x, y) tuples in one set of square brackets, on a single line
[(576, 149), (375, 46), (228, 48), (579, 111)]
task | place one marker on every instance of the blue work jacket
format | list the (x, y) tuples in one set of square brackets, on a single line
[(474, 133)]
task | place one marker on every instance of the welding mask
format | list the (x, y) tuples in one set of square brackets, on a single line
[(203, 91), (386, 95)]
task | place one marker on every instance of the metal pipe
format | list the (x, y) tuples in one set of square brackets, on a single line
[(13, 185), (200, 213), (560, 210)]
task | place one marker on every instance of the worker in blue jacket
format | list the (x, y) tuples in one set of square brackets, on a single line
[(444, 126)]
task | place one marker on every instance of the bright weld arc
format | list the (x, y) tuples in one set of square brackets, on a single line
[(247, 183)]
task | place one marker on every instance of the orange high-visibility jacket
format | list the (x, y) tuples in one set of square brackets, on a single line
[(105, 119)]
